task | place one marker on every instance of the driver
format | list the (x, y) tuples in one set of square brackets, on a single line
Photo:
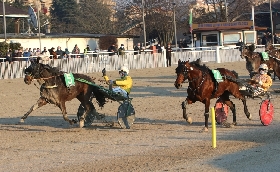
[(124, 84), (262, 80)]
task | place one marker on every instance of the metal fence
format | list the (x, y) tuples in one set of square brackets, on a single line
[(111, 63)]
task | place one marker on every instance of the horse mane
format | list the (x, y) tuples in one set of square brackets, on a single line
[(252, 47), (198, 64)]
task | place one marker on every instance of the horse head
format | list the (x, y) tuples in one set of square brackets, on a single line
[(38, 70), (268, 46), (182, 72)]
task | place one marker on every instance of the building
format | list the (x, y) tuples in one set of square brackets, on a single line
[(225, 33)]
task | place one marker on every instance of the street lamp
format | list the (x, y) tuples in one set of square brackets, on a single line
[(175, 34), (144, 26)]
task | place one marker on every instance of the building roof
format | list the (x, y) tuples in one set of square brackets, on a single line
[(13, 12)]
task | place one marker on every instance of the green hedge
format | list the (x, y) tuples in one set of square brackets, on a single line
[(4, 47)]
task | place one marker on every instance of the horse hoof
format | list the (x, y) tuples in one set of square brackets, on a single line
[(226, 125), (21, 121), (249, 117), (189, 120), (81, 124), (204, 129)]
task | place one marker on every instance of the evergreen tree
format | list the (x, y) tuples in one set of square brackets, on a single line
[(64, 16)]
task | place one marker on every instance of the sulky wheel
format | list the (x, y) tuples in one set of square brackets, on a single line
[(266, 112), (126, 115)]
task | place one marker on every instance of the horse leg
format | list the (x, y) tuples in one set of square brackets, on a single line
[(247, 113), (184, 107), (231, 105), (206, 115), (64, 113), (41, 102)]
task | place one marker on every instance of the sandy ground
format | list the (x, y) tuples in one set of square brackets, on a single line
[(159, 140)]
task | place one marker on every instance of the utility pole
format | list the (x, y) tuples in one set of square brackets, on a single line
[(226, 11), (175, 34), (271, 20), (4, 20), (144, 26), (39, 25)]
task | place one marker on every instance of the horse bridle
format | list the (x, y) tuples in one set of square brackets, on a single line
[(38, 75), (185, 73)]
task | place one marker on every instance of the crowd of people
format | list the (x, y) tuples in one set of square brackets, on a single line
[(24, 54)]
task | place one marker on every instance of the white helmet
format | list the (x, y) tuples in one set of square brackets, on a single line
[(263, 66), (125, 69)]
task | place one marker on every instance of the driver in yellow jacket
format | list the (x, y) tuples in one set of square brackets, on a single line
[(262, 79), (124, 84)]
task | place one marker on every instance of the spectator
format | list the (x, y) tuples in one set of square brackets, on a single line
[(67, 52), (137, 49), (264, 39), (87, 49), (45, 52), (59, 52), (33, 52), (52, 52), (168, 55), (112, 49), (38, 52), (159, 49), (27, 54), (76, 50), (121, 50), (9, 57), (64, 56), (20, 52)]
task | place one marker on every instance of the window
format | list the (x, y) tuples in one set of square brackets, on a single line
[(210, 40), (249, 37), (231, 38)]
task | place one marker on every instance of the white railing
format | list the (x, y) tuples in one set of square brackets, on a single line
[(141, 61)]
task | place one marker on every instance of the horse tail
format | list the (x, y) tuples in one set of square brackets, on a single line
[(99, 96)]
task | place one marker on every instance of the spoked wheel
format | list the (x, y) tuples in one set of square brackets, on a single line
[(266, 112), (126, 115)]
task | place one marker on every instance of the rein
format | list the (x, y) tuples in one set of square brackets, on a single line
[(47, 78)]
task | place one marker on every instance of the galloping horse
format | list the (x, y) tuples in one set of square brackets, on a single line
[(203, 87), (54, 90), (253, 59)]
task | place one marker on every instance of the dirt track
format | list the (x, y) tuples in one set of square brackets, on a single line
[(160, 140)]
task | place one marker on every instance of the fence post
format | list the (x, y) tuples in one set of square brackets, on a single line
[(218, 59)]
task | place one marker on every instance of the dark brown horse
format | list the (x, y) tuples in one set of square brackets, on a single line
[(203, 87), (254, 59), (54, 90), (274, 55)]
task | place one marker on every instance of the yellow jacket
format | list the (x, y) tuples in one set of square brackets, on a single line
[(266, 80), (125, 83)]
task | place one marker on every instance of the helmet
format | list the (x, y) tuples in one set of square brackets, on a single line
[(124, 69), (263, 66)]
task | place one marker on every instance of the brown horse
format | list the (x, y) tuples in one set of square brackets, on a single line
[(203, 87), (253, 59), (54, 90)]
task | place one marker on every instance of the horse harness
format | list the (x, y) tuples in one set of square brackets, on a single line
[(185, 73)]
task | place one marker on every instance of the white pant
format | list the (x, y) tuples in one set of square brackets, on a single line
[(120, 91)]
